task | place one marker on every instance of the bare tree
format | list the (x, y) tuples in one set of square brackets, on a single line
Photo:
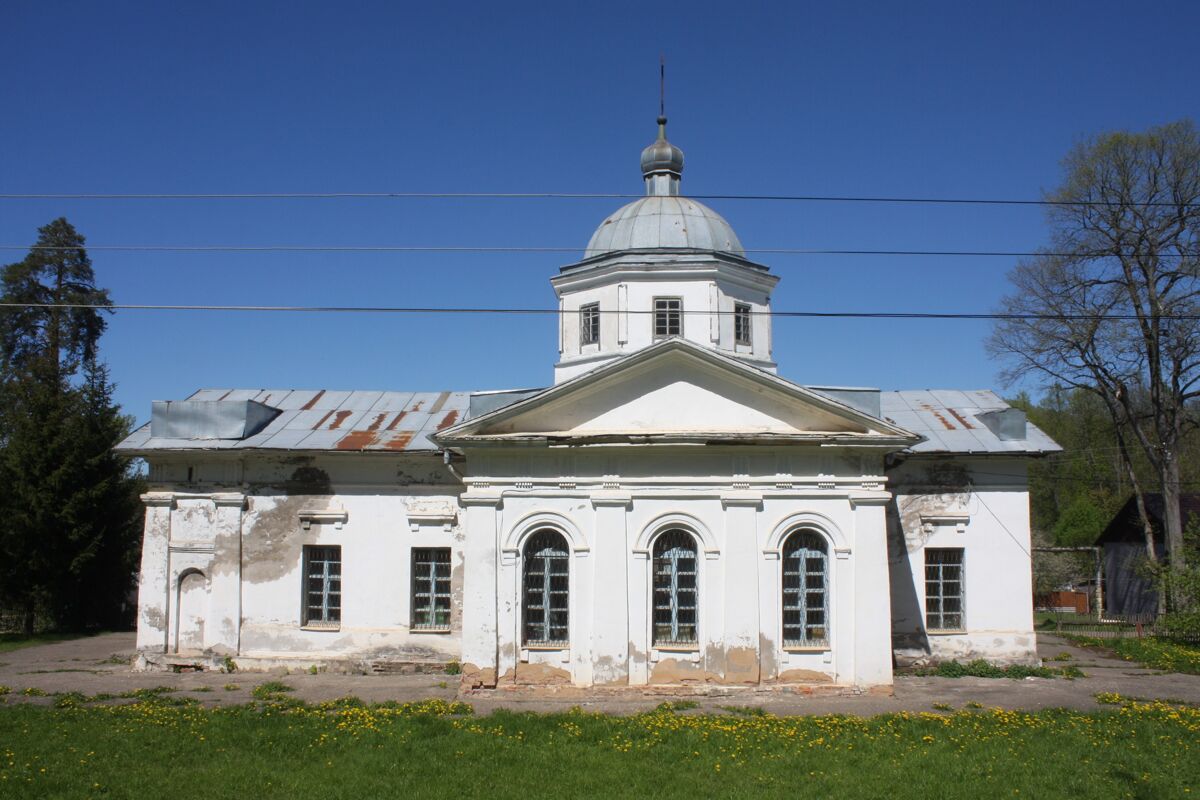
[(1111, 305)]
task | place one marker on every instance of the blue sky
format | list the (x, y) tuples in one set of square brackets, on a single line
[(922, 99)]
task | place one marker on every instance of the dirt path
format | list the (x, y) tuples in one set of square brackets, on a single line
[(100, 664)]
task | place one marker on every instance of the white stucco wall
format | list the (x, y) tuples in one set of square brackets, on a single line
[(247, 541), (610, 503), (234, 545), (708, 292), (981, 505)]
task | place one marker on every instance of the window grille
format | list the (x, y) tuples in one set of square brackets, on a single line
[(322, 587), (741, 323), (589, 323), (668, 317), (675, 602), (546, 578), (431, 588), (805, 590), (944, 589)]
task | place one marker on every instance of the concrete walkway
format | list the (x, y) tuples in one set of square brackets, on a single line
[(100, 664)]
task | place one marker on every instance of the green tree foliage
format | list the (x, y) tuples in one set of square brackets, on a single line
[(69, 512)]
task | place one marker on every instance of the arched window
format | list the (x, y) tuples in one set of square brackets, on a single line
[(805, 595), (675, 588), (547, 589)]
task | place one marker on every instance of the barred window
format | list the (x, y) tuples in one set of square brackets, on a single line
[(431, 588), (322, 587), (668, 317), (805, 590), (675, 602), (741, 323), (547, 595), (589, 323), (944, 588)]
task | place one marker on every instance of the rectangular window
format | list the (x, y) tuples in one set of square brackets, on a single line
[(589, 323), (668, 317), (322, 587), (944, 589), (741, 323), (431, 588)]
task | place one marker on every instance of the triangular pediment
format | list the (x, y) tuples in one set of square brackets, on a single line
[(675, 390)]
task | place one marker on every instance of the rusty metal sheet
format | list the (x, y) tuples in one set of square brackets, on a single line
[(392, 401), (360, 401), (323, 419), (948, 419)]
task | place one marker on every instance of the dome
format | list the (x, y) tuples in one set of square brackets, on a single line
[(661, 155), (663, 221)]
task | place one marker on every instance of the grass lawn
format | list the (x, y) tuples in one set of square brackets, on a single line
[(15, 641), (1149, 652), (154, 748)]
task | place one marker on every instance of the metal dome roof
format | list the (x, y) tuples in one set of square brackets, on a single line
[(664, 221)]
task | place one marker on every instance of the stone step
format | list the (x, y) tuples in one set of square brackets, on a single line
[(407, 667)]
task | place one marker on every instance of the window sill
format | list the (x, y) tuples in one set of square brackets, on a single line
[(824, 648), (544, 648), (321, 628), (946, 632), (677, 648), (429, 630)]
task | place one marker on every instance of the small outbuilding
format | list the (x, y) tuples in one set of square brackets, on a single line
[(1128, 589)]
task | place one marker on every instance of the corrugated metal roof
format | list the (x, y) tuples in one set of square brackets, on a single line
[(328, 420), (402, 421), (948, 420)]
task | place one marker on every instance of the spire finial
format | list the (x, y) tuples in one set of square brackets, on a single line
[(662, 89), (662, 162)]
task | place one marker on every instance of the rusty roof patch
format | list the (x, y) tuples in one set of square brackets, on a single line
[(939, 416), (448, 420), (960, 418), (311, 404), (392, 425), (338, 419), (357, 440), (321, 421), (399, 441), (374, 426)]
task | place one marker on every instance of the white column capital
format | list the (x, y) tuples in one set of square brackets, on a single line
[(490, 498), (229, 499), (742, 498), (611, 498), (159, 499)]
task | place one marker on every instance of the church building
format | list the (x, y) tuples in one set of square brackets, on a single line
[(669, 511)]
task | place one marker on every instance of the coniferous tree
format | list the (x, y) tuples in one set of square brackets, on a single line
[(69, 512)]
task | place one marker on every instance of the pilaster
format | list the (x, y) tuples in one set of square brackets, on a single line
[(222, 634), (481, 547), (742, 625), (610, 579), (873, 600), (153, 582)]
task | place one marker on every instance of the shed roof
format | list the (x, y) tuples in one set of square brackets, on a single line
[(949, 421), (374, 421), (324, 419)]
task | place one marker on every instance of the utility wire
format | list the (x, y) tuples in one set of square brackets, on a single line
[(291, 248), (546, 311), (558, 196)]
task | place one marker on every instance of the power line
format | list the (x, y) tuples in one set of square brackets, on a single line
[(560, 196), (295, 248), (547, 311)]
